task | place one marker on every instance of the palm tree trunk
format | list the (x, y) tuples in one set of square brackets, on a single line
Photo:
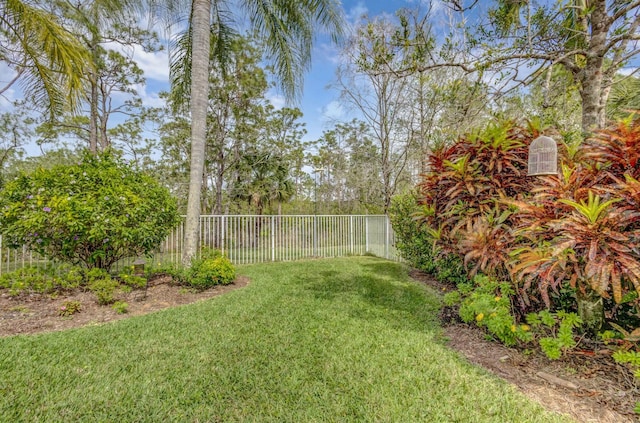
[(199, 95)]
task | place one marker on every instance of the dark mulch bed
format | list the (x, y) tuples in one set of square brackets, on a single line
[(39, 313)]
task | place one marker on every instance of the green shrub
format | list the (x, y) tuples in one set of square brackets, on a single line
[(488, 304), (104, 289), (70, 308), (132, 281), (452, 298), (33, 279), (30, 280), (450, 269), (413, 241), (120, 307), (633, 358), (554, 331), (211, 269), (92, 213), (71, 277)]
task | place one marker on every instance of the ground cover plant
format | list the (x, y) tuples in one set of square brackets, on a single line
[(326, 340)]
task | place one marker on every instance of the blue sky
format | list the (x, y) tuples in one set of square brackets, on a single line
[(318, 103)]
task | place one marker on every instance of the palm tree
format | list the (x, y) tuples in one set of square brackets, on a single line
[(46, 58), (287, 29)]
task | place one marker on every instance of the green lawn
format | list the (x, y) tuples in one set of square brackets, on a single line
[(340, 340)]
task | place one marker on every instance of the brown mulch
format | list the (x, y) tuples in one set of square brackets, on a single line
[(588, 385), (40, 313)]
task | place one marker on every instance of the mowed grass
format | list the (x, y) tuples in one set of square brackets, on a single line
[(341, 340)]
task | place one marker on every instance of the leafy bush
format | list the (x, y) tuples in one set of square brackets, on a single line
[(566, 241), (633, 358), (102, 285), (92, 213), (488, 304), (467, 180), (413, 239), (70, 308), (120, 307), (449, 268), (211, 269), (131, 280), (558, 328)]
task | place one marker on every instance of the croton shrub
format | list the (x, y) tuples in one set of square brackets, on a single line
[(576, 231)]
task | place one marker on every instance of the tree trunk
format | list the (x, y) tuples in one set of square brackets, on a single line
[(590, 310), (199, 96), (591, 78), (591, 96), (93, 115)]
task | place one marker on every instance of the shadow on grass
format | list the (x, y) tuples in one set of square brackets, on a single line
[(380, 293)]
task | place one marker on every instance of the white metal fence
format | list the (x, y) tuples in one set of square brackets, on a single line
[(256, 239)]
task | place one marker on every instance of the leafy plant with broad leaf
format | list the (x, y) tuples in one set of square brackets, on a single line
[(581, 227), (465, 189)]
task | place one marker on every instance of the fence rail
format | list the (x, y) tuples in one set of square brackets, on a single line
[(257, 239)]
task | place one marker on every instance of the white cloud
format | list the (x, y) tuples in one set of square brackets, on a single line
[(356, 12), (329, 52), (149, 99), (278, 101), (155, 65), (333, 111), (628, 71)]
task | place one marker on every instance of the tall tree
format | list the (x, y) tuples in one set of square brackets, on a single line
[(104, 27), (15, 131), (46, 58), (379, 97), (344, 179), (287, 29), (524, 40)]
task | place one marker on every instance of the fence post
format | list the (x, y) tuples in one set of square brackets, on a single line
[(366, 234), (351, 234), (222, 235), (273, 238), (386, 237), (315, 235)]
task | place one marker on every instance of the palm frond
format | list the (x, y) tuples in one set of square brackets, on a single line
[(52, 59)]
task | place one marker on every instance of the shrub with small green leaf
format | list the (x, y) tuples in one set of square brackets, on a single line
[(32, 279), (92, 213), (212, 268), (487, 303), (452, 298), (102, 285), (632, 358), (133, 281), (413, 239), (554, 331), (70, 308), (27, 279), (450, 269), (120, 307)]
